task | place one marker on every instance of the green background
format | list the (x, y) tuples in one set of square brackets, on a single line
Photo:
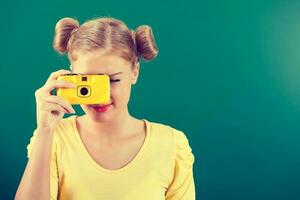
[(227, 74)]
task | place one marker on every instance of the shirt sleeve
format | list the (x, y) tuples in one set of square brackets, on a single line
[(53, 166), (182, 186)]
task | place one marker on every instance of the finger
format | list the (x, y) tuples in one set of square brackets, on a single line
[(60, 101), (57, 84), (55, 107), (54, 75)]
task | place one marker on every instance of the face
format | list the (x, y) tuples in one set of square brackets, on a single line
[(122, 77)]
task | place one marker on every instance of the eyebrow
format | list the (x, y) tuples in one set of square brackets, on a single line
[(112, 74), (103, 74)]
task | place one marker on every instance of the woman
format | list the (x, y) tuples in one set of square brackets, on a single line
[(105, 153)]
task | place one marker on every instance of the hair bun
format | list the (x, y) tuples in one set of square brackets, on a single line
[(145, 42), (64, 29)]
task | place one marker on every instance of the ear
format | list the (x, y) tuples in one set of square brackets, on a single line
[(135, 73)]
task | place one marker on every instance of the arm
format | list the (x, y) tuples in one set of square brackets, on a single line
[(35, 182), (40, 180), (182, 186)]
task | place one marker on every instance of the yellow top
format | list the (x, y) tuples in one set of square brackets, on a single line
[(162, 169)]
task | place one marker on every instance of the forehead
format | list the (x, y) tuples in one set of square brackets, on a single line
[(97, 63)]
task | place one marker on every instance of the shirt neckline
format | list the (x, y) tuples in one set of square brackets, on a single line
[(98, 166)]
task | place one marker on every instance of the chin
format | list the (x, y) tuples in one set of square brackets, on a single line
[(99, 114)]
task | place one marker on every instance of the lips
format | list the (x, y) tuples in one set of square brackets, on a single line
[(101, 108), (100, 105)]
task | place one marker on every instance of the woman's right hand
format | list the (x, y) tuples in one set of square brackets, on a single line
[(50, 108)]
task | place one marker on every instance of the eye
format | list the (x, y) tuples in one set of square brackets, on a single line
[(115, 80)]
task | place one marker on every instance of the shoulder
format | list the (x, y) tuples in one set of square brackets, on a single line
[(167, 131), (174, 139), (169, 134)]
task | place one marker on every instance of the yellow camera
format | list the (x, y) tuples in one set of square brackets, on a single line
[(90, 89)]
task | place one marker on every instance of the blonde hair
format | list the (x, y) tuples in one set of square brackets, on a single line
[(106, 33)]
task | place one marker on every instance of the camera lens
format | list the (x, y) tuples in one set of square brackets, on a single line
[(84, 91)]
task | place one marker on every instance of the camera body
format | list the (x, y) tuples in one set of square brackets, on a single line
[(90, 89)]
